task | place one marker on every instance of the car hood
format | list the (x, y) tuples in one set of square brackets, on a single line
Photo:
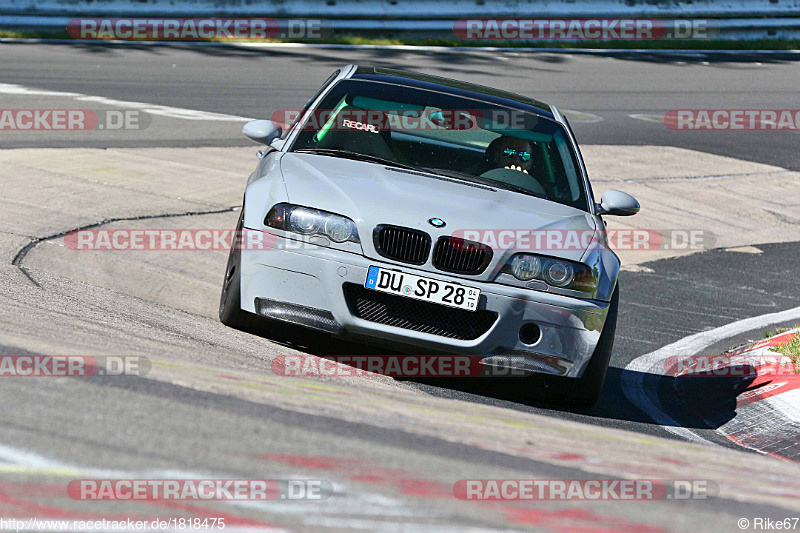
[(373, 194)]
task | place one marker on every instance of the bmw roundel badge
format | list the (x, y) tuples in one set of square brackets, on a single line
[(437, 222)]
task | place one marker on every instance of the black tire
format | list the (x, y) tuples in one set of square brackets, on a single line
[(230, 306), (584, 392)]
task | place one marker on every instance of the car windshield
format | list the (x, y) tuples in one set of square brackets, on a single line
[(445, 134)]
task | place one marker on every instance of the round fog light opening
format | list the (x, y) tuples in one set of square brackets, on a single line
[(530, 334)]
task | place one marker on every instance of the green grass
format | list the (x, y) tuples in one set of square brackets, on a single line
[(772, 333), (792, 350), (368, 39), (759, 44), (39, 34)]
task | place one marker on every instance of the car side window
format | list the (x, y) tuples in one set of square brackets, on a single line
[(309, 102)]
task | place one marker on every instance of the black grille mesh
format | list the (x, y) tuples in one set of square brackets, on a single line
[(452, 254), (402, 244), (415, 315)]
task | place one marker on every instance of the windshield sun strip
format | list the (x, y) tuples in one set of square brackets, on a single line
[(327, 126)]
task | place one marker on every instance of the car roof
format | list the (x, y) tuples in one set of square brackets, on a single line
[(456, 87)]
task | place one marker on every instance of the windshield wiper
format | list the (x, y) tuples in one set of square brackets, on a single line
[(356, 156), (458, 175), (516, 188)]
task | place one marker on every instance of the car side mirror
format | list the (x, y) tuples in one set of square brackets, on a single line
[(617, 203), (262, 131)]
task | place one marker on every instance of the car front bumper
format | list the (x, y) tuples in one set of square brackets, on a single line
[(308, 286)]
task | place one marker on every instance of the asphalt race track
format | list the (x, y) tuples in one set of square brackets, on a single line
[(390, 450), (251, 82)]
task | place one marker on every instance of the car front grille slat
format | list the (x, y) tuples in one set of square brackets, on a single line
[(402, 244), (392, 242), (415, 315), (459, 256), (448, 255)]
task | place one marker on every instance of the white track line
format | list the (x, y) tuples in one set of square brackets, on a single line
[(646, 399), (153, 109)]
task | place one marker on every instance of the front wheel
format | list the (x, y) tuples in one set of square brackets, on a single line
[(583, 392), (230, 304)]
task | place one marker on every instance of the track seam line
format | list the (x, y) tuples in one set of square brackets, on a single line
[(22, 252)]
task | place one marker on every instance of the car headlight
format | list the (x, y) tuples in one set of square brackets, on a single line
[(308, 221), (555, 272), (525, 267), (305, 221)]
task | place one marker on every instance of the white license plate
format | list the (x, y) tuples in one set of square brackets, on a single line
[(420, 288)]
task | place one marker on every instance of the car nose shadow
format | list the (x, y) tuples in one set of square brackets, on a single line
[(310, 341), (690, 400), (714, 398)]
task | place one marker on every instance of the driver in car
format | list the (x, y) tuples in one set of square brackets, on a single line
[(509, 152)]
